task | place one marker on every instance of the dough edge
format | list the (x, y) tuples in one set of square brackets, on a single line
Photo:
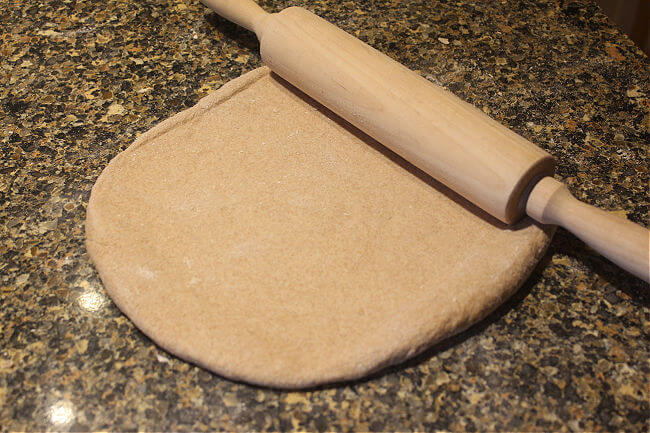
[(363, 368)]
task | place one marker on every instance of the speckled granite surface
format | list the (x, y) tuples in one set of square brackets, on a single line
[(80, 80)]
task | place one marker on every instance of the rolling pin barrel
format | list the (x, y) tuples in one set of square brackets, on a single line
[(451, 140)]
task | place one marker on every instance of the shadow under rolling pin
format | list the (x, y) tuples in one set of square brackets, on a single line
[(451, 140)]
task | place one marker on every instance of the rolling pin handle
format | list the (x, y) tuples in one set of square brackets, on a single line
[(245, 13), (623, 242)]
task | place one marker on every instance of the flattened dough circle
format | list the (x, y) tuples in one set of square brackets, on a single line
[(260, 237)]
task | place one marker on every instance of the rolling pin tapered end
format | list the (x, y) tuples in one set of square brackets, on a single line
[(623, 242), (245, 13)]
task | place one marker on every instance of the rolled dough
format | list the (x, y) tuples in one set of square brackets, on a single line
[(261, 237)]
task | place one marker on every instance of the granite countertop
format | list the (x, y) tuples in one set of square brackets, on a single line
[(80, 80)]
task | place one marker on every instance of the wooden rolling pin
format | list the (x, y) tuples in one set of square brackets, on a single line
[(451, 140)]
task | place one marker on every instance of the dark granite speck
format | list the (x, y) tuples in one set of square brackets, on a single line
[(80, 80)]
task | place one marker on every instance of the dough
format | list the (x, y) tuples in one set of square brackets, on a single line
[(263, 238)]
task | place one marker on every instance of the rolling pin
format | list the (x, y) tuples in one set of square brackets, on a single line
[(451, 140)]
